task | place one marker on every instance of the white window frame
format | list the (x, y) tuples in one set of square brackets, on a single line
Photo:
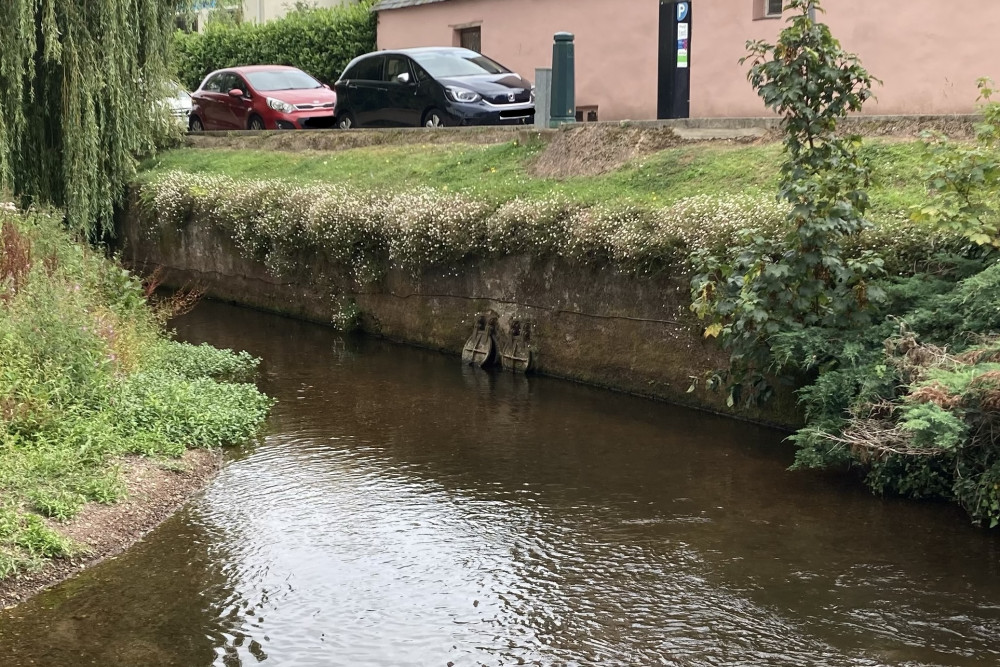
[(762, 10)]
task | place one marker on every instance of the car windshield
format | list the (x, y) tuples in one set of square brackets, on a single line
[(179, 93), (457, 63), (283, 79)]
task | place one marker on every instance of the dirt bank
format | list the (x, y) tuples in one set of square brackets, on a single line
[(338, 140), (648, 134), (598, 149), (156, 489)]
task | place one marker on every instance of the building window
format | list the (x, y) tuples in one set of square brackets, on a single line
[(471, 38), (767, 9)]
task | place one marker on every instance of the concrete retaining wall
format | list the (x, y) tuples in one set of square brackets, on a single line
[(589, 323)]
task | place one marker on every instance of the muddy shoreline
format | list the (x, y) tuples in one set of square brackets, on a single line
[(156, 489)]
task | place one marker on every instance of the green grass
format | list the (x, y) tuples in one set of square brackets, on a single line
[(503, 172)]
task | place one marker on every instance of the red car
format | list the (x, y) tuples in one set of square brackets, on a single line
[(262, 97)]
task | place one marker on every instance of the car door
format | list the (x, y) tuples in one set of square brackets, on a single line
[(401, 106), (226, 119), (212, 104), (239, 107), (367, 92)]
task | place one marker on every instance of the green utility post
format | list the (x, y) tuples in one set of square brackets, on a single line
[(563, 107)]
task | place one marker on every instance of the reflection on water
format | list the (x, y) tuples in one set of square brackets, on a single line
[(406, 511)]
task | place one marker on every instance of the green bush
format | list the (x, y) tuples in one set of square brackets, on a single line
[(318, 41), (898, 369), (87, 375)]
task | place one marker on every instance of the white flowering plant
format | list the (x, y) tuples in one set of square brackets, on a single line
[(367, 231)]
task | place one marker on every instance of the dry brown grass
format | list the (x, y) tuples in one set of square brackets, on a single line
[(937, 394), (598, 149), (15, 260), (340, 140), (173, 305)]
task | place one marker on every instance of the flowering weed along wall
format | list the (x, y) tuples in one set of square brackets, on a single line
[(605, 287)]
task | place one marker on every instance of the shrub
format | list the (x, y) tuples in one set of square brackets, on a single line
[(318, 41), (87, 375)]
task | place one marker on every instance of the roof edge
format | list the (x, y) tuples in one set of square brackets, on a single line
[(383, 5)]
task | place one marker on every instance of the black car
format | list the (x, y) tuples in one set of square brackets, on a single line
[(433, 87)]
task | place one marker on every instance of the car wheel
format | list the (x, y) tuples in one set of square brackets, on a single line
[(346, 122), (195, 125), (256, 123), (434, 118)]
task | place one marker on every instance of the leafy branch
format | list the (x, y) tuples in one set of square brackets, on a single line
[(802, 279)]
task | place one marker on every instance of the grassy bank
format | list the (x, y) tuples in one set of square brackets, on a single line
[(425, 205), (87, 376), (497, 173)]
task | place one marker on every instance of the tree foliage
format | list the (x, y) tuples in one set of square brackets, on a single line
[(318, 41), (900, 376), (79, 84), (801, 279)]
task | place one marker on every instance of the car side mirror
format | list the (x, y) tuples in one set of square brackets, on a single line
[(403, 78), (236, 92), (327, 86)]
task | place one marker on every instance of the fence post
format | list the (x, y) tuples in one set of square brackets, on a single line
[(543, 97)]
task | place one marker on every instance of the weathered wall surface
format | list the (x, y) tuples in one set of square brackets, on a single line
[(589, 324)]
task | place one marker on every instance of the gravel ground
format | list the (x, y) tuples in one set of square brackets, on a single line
[(156, 489)]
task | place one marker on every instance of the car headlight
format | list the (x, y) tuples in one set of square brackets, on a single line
[(532, 94), (278, 105), (462, 94)]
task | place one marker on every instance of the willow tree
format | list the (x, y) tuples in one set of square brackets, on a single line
[(80, 82)]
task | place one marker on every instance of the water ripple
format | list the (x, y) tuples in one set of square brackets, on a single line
[(404, 512)]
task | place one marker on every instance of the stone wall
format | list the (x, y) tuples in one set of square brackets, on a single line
[(588, 323)]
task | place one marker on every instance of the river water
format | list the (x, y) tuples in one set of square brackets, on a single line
[(402, 510)]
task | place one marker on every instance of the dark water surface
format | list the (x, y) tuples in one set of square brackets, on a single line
[(404, 511)]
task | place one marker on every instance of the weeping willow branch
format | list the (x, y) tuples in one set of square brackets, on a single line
[(80, 82)]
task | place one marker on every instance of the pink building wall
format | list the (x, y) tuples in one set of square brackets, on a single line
[(928, 53), (616, 42)]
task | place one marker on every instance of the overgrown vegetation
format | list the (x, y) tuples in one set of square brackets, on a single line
[(87, 376), (901, 370), (498, 173), (318, 41), (79, 99), (368, 231), (915, 399), (483, 200)]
